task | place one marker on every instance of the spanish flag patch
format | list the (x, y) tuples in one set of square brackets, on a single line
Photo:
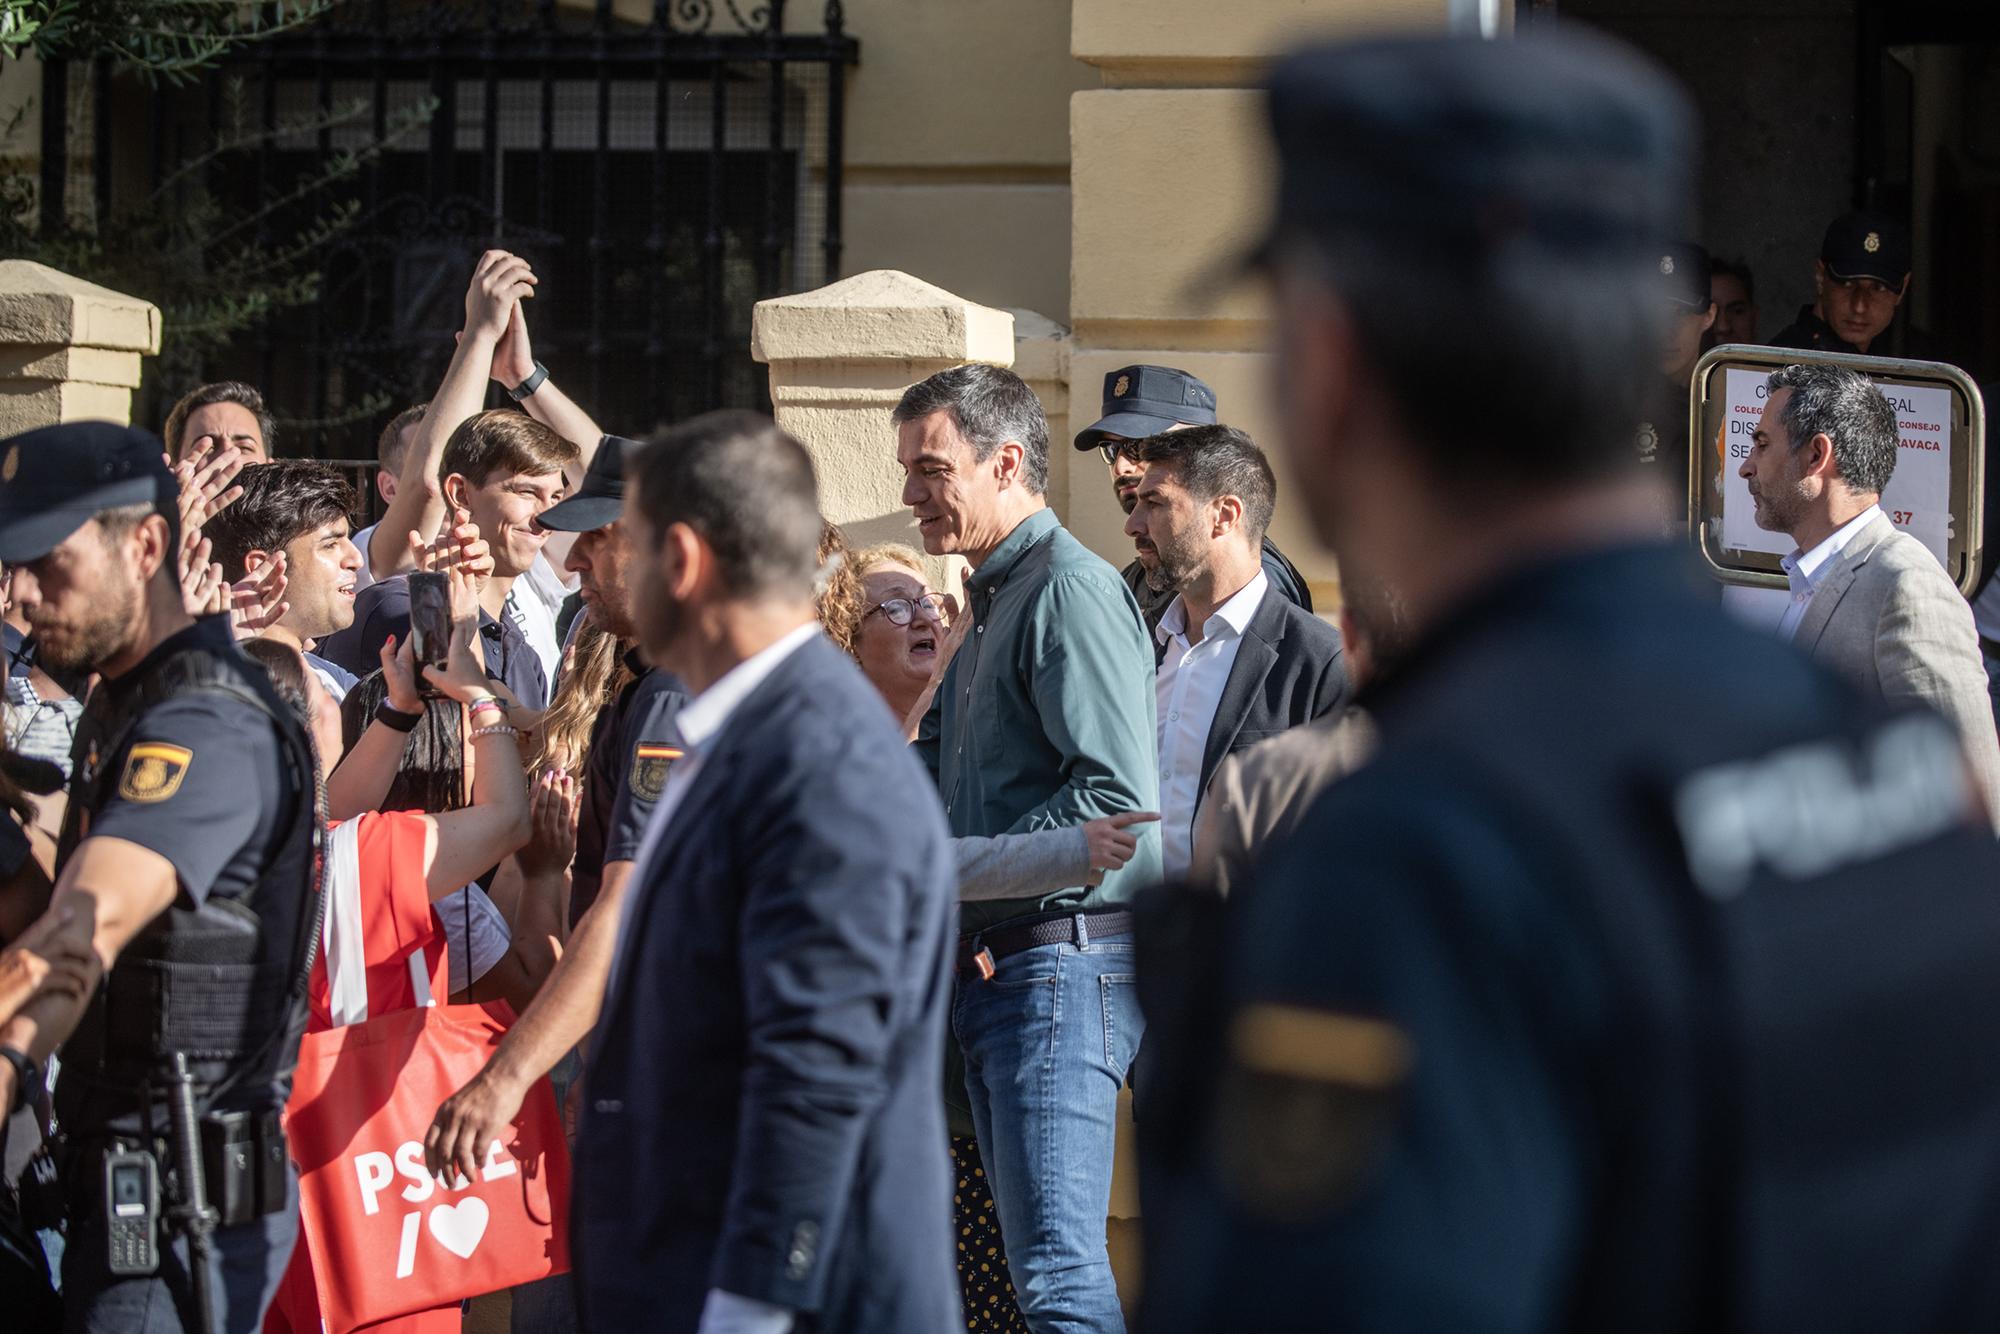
[(650, 762), (153, 771)]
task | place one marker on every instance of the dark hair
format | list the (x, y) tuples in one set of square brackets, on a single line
[(116, 522), (503, 441), (1217, 461), (1737, 269), (222, 391), (990, 407), (1552, 348), (431, 775), (281, 501), (747, 488), (1848, 409), (389, 447), (287, 667)]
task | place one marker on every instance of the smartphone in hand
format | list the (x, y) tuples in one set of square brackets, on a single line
[(430, 620)]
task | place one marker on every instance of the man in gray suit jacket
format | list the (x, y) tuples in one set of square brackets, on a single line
[(1236, 662), (1868, 600)]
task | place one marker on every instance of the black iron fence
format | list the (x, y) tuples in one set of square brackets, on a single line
[(663, 166)]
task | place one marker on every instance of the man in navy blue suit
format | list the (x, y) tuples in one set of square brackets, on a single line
[(762, 1145)]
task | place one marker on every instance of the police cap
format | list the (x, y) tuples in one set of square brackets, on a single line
[(1563, 141), (1683, 268), (598, 500), (1867, 245), (1145, 400), (55, 479)]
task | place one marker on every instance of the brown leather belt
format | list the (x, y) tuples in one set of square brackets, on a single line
[(980, 951)]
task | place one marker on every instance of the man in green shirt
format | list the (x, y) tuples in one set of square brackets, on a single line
[(1044, 719)]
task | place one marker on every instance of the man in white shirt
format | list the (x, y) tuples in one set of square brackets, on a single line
[(1237, 664), (1868, 600)]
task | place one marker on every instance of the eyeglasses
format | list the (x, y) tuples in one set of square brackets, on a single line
[(901, 611)]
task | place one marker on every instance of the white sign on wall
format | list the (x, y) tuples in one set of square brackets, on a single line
[(1918, 498)]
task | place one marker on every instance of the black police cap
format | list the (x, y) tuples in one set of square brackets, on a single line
[(55, 479), (1566, 141), (1867, 245), (1683, 267), (1145, 400), (602, 495)]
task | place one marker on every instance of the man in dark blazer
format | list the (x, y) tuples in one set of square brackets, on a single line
[(1237, 662), (762, 1145)]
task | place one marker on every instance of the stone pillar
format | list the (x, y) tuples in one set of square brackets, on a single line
[(69, 350), (840, 358), (1170, 178)]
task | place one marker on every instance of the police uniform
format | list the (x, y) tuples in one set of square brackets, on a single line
[(633, 746), (192, 755), (1856, 245), (1626, 989), (1663, 438), (1141, 401), (634, 742)]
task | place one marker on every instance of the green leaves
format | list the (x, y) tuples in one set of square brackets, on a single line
[(166, 39)]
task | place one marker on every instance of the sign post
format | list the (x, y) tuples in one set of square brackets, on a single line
[(1935, 493)]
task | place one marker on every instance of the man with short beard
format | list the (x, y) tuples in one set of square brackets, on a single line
[(1236, 663), (1867, 599), (187, 863), (1143, 401), (295, 513)]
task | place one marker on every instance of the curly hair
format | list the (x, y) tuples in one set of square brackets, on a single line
[(837, 595), (593, 672)]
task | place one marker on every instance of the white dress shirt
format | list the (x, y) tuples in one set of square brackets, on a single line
[(533, 603), (1188, 690), (1806, 569)]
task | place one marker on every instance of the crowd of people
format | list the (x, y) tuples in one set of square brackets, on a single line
[(1535, 948)]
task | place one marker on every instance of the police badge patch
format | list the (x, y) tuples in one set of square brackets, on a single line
[(650, 763), (153, 771)]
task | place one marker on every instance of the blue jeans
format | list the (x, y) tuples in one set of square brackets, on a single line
[(1047, 1042)]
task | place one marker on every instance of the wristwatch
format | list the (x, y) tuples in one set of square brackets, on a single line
[(528, 386)]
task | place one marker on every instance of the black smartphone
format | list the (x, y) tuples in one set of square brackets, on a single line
[(430, 620)]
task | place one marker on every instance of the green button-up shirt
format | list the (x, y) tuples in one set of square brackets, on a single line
[(1045, 715)]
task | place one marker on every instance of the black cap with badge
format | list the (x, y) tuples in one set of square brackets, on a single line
[(1867, 245), (1140, 401), (1683, 267), (602, 495), (55, 479)]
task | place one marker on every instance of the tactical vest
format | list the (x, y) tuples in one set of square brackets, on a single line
[(222, 983)]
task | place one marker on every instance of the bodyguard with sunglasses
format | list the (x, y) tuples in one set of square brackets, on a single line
[(1141, 401)]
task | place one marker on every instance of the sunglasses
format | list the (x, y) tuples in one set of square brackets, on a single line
[(1121, 449), (901, 611)]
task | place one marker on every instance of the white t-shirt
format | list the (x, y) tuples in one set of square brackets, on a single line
[(533, 604), (470, 910)]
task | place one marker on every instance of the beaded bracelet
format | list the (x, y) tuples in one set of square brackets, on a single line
[(496, 729)]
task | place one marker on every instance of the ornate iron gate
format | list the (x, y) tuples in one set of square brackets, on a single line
[(662, 163)]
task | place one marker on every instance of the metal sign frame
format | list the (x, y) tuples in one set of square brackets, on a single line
[(1707, 404)]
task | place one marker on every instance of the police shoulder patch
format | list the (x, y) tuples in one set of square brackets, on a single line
[(651, 761), (1306, 1106), (153, 771)]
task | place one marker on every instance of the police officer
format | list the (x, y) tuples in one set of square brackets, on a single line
[(1860, 278), (1625, 989), (189, 861), (1663, 436), (1140, 401)]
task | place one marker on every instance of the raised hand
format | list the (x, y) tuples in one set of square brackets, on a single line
[(399, 675), (257, 601), (202, 587), (205, 477), (551, 845), (498, 282), (513, 356)]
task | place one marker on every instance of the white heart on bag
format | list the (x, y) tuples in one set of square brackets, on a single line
[(458, 1227)]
